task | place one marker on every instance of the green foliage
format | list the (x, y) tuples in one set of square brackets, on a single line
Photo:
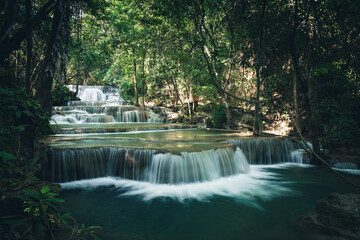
[(40, 215), (218, 117), (21, 119), (126, 90), (61, 96), (339, 105), (84, 233)]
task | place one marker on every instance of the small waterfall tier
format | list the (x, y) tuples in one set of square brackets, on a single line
[(95, 94), (101, 104), (271, 151), (144, 165), (345, 165)]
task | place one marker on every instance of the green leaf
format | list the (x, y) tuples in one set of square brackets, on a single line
[(6, 156), (33, 193), (66, 215), (94, 227), (28, 113), (63, 221), (52, 206), (54, 200), (20, 128), (51, 194), (45, 189)]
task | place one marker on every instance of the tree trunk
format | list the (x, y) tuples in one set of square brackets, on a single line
[(295, 62), (28, 46), (229, 123), (47, 72), (315, 125), (143, 84), (135, 79), (78, 40), (296, 104), (258, 64), (314, 116), (256, 130), (187, 88)]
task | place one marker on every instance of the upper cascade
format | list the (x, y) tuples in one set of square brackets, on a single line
[(103, 104), (95, 94)]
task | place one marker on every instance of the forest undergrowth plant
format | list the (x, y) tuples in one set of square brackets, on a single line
[(81, 232), (40, 215)]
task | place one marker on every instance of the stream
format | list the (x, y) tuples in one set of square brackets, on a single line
[(134, 173)]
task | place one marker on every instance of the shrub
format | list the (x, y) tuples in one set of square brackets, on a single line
[(218, 117), (61, 96)]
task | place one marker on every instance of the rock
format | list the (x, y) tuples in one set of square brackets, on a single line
[(336, 216)]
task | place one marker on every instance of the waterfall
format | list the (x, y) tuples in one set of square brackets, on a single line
[(196, 166), (345, 165), (97, 101), (133, 116), (99, 118), (144, 165), (271, 151), (96, 93), (155, 118), (92, 94)]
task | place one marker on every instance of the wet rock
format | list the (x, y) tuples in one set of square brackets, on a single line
[(336, 216)]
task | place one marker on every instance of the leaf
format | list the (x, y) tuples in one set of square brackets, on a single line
[(28, 113), (54, 200), (63, 221), (44, 189), (51, 194), (52, 206), (94, 227), (6, 156), (20, 128), (66, 215), (33, 193)]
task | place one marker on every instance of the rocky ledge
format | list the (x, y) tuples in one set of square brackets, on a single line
[(336, 216)]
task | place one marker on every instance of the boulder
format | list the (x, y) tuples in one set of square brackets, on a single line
[(336, 216)]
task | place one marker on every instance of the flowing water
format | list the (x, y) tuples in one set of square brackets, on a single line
[(260, 205), (124, 169)]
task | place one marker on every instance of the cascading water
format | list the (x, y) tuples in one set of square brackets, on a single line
[(95, 94), (271, 151), (97, 101), (141, 176), (144, 165)]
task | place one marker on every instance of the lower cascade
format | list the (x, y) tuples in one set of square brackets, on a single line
[(144, 165)]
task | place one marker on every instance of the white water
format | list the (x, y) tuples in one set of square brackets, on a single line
[(103, 101), (144, 165), (96, 93), (197, 166), (271, 151), (259, 183), (92, 94)]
